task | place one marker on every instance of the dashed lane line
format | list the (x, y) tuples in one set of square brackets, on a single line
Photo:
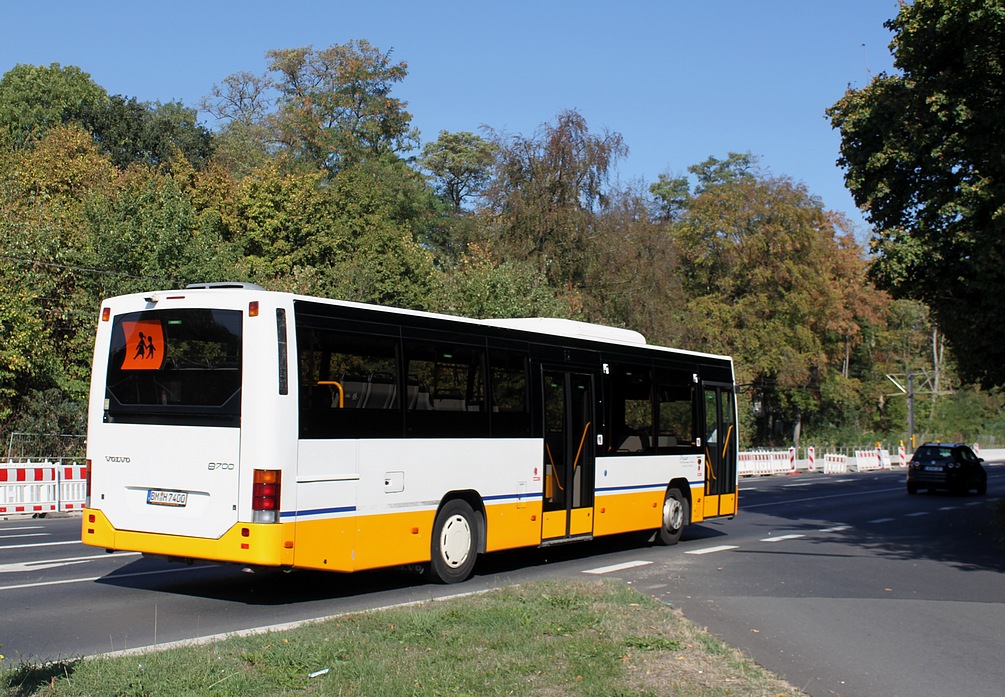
[(617, 567), (783, 538), (711, 550)]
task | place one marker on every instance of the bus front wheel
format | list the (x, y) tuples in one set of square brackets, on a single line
[(455, 538), (675, 517)]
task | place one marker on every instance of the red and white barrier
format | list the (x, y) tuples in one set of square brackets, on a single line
[(41, 487), (835, 464)]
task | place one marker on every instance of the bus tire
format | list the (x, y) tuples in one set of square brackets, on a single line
[(675, 517), (455, 542)]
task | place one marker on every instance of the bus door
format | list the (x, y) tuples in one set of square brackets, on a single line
[(720, 450), (570, 430)]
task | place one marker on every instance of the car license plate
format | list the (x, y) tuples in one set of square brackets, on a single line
[(933, 469), (157, 497)]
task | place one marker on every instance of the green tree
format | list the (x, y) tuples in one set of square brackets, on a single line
[(46, 313), (776, 281), (546, 192), (243, 104), (335, 106), (461, 164), (34, 99), (152, 134), (351, 237), (923, 157)]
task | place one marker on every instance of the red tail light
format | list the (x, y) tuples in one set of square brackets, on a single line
[(265, 496)]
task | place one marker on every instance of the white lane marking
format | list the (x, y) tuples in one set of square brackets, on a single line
[(973, 503), (21, 527), (617, 567), (837, 528), (916, 514), (44, 564), (30, 534), (782, 538), (112, 577), (793, 486), (882, 520), (43, 544), (949, 508), (710, 550)]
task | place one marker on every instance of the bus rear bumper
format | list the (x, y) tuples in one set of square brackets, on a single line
[(253, 544)]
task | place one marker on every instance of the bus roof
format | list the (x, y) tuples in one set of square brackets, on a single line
[(547, 326)]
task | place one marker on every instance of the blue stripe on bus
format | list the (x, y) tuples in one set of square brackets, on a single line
[(639, 487), (318, 511), (527, 495)]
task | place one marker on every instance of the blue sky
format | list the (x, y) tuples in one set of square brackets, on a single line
[(680, 81)]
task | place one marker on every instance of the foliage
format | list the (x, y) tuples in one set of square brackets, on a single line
[(304, 186), (335, 106), (34, 99), (923, 157), (460, 164), (546, 191)]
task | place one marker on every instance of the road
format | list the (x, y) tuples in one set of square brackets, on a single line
[(843, 584)]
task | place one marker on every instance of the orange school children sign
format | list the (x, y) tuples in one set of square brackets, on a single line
[(144, 345)]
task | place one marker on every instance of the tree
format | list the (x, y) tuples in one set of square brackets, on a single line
[(546, 192), (34, 99), (152, 134), (349, 237), (242, 104), (335, 106), (924, 157), (776, 281), (461, 164)]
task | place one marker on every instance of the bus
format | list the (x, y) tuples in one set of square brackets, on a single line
[(237, 425)]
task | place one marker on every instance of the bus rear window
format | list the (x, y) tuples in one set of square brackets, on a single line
[(175, 367)]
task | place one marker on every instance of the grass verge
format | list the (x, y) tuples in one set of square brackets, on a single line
[(588, 638)]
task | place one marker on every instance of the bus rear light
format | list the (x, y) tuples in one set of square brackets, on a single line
[(106, 314), (253, 308), (265, 496)]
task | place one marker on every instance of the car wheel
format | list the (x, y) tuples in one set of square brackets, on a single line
[(982, 488), (675, 517), (912, 488), (455, 542)]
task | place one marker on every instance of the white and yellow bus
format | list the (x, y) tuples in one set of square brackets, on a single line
[(233, 424)]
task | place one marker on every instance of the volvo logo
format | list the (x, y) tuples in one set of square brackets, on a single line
[(116, 458)]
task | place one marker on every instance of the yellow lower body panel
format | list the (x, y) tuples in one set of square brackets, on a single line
[(720, 505), (512, 525), (254, 544), (620, 513), (697, 504)]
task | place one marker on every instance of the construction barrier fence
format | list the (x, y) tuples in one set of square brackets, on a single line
[(42, 486)]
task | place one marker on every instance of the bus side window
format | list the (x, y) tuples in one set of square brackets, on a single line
[(675, 410), (445, 390), (631, 409), (365, 368), (509, 390)]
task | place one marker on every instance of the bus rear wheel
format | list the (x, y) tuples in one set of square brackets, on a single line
[(675, 517), (455, 542)]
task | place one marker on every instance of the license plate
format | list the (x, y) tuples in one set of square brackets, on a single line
[(933, 469), (167, 498)]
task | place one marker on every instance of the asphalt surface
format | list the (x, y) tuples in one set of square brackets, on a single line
[(845, 585)]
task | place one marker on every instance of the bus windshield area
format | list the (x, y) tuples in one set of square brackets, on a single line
[(175, 367)]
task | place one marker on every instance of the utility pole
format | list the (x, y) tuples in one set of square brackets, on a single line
[(910, 408)]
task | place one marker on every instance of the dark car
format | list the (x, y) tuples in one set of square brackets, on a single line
[(951, 466)]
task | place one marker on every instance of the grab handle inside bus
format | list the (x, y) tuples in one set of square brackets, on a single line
[(338, 388)]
